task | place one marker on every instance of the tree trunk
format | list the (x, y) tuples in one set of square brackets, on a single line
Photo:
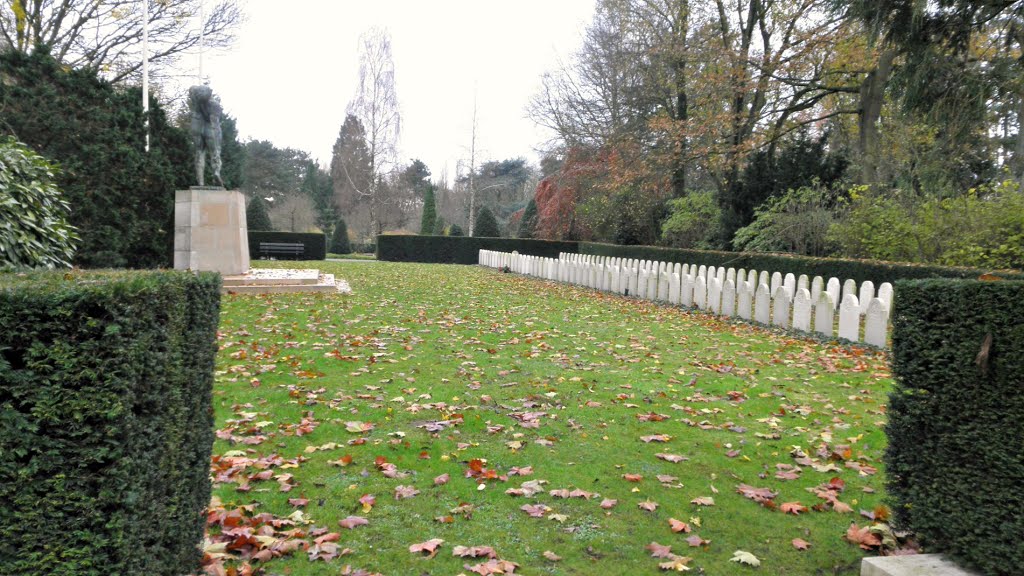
[(872, 96)]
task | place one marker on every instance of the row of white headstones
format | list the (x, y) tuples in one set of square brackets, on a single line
[(791, 302)]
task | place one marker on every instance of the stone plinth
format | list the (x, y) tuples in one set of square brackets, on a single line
[(210, 231), (914, 565)]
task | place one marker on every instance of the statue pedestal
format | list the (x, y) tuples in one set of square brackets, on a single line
[(210, 231)]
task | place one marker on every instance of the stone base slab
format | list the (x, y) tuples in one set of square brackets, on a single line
[(913, 565), (210, 231)]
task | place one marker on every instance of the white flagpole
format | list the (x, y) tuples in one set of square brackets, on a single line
[(145, 69), (202, 38)]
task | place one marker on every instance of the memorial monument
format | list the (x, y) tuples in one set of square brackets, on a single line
[(209, 222)]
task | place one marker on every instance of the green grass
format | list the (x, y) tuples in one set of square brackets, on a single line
[(421, 343), (353, 256)]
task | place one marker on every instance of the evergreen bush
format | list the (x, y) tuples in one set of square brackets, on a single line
[(256, 215), (122, 197), (955, 457), (339, 241), (429, 217), (486, 226), (106, 395)]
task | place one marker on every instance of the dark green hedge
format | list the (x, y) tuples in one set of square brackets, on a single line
[(314, 244), (859, 270), (460, 249), (106, 422), (955, 461)]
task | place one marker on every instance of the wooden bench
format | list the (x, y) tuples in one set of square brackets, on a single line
[(274, 249)]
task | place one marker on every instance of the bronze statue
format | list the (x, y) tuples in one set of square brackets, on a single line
[(206, 135)]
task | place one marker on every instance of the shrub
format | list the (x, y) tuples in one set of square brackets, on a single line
[(455, 230), (461, 250), (954, 460), (106, 394), (339, 241), (797, 222), (694, 221), (314, 244), (256, 215), (859, 270), (35, 232), (983, 228), (486, 226)]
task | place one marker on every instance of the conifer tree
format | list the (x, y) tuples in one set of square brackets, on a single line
[(429, 213)]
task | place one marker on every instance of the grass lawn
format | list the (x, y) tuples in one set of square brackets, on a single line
[(433, 390)]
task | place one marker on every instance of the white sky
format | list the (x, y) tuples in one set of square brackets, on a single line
[(294, 67)]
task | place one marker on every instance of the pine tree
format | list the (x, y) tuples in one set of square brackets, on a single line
[(528, 225), (339, 241), (256, 216), (429, 213), (439, 226), (486, 225)]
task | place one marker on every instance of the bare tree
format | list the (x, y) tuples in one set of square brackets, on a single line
[(376, 106), (107, 35)]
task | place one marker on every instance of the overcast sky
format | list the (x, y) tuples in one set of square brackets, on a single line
[(294, 68)]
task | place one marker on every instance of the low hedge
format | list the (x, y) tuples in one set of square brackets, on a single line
[(106, 422), (461, 249), (314, 244), (859, 270), (955, 458)]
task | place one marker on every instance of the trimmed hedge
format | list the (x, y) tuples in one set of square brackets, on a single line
[(314, 244), (461, 249), (859, 270), (107, 424), (955, 458)]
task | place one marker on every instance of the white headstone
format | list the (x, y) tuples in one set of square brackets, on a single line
[(715, 296), (731, 275), (817, 285), (744, 301), (802, 309), (763, 278), (849, 287), (702, 271), (721, 275), (824, 314), (876, 323), (849, 318), (762, 304), (780, 307), (885, 294), (686, 290), (741, 276), (700, 293), (729, 298), (832, 287), (673, 288), (867, 292), (776, 282), (803, 282), (790, 284)]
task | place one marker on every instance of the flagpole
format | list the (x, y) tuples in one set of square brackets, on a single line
[(145, 69)]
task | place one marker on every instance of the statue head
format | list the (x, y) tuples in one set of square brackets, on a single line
[(199, 94)]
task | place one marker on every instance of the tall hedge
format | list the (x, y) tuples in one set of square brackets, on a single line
[(461, 249), (107, 426), (859, 270), (955, 460), (121, 197), (314, 244)]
